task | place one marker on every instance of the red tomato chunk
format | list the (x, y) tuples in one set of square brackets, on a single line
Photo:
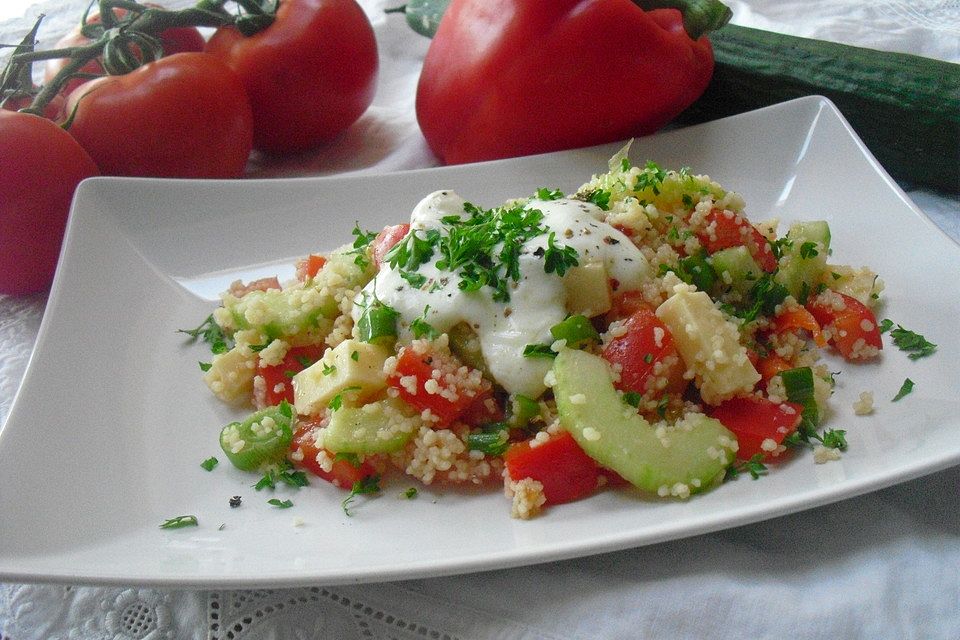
[(755, 420), (434, 383), (559, 464)]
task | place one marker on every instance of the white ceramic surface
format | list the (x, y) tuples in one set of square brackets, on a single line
[(107, 433)]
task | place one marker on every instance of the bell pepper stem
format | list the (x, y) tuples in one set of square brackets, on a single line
[(699, 16)]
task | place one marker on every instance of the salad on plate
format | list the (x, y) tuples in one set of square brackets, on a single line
[(640, 332)]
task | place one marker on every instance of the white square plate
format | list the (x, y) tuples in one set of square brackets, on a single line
[(107, 433)]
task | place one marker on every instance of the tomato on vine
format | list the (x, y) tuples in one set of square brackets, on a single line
[(40, 166), (309, 75), (182, 116)]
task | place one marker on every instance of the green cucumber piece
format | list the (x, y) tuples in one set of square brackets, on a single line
[(379, 427), (804, 262), (905, 108), (691, 456), (742, 269), (260, 440)]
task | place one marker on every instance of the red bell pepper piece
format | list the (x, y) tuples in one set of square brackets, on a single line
[(505, 78)]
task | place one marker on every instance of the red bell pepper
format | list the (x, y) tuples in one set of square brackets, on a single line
[(505, 78)]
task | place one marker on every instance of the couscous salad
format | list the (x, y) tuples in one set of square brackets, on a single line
[(640, 332)]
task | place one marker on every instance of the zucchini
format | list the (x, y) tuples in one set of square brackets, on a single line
[(906, 108)]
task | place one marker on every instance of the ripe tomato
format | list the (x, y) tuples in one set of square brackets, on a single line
[(183, 116), (852, 329), (448, 401), (385, 240), (342, 474), (277, 378), (559, 464), (174, 40), (646, 346), (725, 231), (754, 419), (40, 166), (309, 75)]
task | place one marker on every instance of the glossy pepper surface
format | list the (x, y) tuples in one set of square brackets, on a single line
[(507, 78)]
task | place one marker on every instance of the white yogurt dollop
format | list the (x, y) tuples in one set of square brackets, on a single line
[(537, 299)]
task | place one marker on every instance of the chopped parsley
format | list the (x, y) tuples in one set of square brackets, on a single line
[(209, 463), (422, 329), (337, 401), (651, 178), (834, 439), (410, 493), (328, 369), (205, 366), (911, 343), (286, 475), (808, 250), (179, 522), (599, 197), (368, 484), (632, 398), (905, 389), (558, 258), (361, 240), (549, 194), (280, 504), (415, 279), (754, 466), (211, 333)]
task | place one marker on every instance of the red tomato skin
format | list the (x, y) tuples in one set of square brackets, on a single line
[(559, 464), (342, 474), (847, 325), (421, 366), (639, 344), (277, 374), (505, 78), (309, 76), (733, 231), (183, 116), (385, 240), (754, 419), (40, 166), (174, 40)]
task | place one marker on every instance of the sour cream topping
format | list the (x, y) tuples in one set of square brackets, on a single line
[(537, 299)]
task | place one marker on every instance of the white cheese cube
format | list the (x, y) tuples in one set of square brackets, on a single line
[(350, 364)]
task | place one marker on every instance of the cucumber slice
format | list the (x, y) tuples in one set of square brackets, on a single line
[(736, 269), (685, 458), (379, 427), (804, 263)]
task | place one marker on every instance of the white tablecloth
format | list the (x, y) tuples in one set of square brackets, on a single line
[(884, 565)]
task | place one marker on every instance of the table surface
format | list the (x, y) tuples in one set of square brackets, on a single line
[(883, 565)]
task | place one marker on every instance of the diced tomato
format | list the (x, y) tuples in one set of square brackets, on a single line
[(277, 378), (559, 464), (799, 318), (646, 343), (449, 400), (853, 330), (625, 305), (343, 473), (735, 230), (771, 365), (309, 267), (385, 240), (483, 409), (239, 289), (754, 419)]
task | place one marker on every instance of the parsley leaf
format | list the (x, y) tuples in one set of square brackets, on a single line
[(834, 439), (368, 484), (280, 504), (421, 328), (914, 344), (209, 463), (754, 466), (211, 333), (905, 389), (558, 258), (549, 194), (808, 250), (410, 493), (337, 401)]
